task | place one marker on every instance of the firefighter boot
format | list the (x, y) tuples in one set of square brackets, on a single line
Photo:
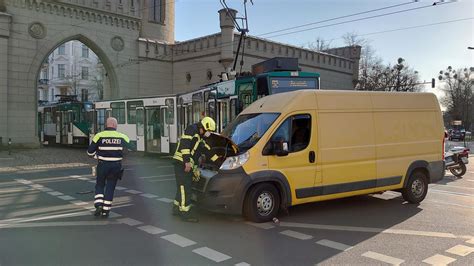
[(105, 213), (98, 211)]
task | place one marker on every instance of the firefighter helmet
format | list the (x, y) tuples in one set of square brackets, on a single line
[(208, 124)]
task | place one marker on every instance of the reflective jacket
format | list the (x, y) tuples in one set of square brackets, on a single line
[(191, 145), (108, 145)]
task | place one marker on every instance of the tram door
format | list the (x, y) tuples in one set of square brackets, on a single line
[(59, 124), (223, 114), (69, 126), (165, 129), (140, 129), (153, 129)]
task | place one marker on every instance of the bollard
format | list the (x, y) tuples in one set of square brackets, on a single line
[(9, 146)]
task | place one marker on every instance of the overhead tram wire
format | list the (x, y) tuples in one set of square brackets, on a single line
[(360, 19), (336, 18)]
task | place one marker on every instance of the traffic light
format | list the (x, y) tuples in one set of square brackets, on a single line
[(432, 83)]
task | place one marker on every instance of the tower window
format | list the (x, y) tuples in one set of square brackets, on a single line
[(157, 11)]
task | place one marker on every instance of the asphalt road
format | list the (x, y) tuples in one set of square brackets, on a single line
[(44, 221)]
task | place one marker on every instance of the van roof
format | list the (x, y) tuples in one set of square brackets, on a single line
[(343, 100)]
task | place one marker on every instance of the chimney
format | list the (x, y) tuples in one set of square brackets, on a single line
[(227, 37)]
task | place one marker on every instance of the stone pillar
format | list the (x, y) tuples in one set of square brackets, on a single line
[(5, 23), (227, 37)]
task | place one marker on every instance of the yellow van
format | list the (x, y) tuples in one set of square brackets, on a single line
[(308, 146)]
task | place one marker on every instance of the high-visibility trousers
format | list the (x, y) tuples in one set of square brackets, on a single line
[(183, 188), (107, 177)]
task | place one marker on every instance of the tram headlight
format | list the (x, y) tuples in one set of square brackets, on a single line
[(235, 161)]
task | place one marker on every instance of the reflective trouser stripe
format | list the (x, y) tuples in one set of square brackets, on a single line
[(98, 201), (107, 208), (185, 151), (183, 206), (107, 202), (99, 196), (214, 158), (176, 203)]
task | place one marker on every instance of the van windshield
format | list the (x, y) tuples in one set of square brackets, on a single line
[(246, 130)]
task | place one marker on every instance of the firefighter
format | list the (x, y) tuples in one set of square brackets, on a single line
[(107, 146), (189, 149)]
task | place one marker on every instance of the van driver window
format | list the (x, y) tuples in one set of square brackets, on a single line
[(296, 131)]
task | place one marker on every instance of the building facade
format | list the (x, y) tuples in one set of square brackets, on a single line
[(71, 69), (134, 41)]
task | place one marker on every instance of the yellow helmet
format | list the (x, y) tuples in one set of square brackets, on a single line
[(208, 124)]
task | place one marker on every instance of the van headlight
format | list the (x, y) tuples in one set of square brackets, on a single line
[(235, 161)]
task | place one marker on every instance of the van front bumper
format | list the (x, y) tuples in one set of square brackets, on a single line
[(221, 191)]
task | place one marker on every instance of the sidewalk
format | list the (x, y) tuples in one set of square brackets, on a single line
[(56, 157)]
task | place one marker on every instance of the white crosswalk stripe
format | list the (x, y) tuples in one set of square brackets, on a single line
[(439, 260), (212, 254), (334, 245), (179, 240), (383, 258)]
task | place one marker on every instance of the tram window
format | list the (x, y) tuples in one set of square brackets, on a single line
[(211, 106), (262, 86), (233, 109), (196, 111), (132, 111), (118, 111), (170, 112), (100, 120)]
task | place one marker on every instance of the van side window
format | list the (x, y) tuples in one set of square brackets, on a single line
[(295, 130)]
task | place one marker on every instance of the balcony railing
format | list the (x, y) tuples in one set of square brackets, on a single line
[(43, 81)]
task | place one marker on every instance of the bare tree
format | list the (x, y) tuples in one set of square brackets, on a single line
[(318, 45), (459, 97)]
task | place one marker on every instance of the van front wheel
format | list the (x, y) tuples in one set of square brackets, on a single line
[(416, 188), (262, 203)]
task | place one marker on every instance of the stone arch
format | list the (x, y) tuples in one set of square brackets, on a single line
[(95, 46)]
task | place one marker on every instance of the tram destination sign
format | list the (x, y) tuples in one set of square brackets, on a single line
[(287, 84)]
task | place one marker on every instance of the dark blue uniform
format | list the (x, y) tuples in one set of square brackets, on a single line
[(108, 147)]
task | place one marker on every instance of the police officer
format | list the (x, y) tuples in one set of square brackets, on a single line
[(188, 151), (107, 146)]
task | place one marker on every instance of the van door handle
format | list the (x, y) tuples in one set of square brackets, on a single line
[(312, 156)]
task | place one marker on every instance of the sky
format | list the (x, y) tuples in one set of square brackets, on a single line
[(427, 49)]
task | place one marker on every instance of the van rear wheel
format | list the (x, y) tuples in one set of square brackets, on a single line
[(416, 188), (262, 203)]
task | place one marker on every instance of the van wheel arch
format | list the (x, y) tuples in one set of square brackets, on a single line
[(417, 166)]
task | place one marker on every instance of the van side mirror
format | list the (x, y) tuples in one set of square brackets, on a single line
[(280, 148)]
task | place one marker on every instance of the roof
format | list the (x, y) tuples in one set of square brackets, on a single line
[(335, 100)]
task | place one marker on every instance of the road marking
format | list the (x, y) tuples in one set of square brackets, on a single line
[(91, 181), (469, 180), (450, 186), (84, 178), (471, 241), (54, 224), (132, 191), (296, 235), (334, 245), (383, 258), (150, 196), (39, 218), (114, 215), (211, 254), (265, 226), (242, 264), (451, 193), (368, 230), (439, 260), (129, 221), (460, 250), (166, 200), (37, 186), (66, 197), (163, 180), (24, 181), (120, 188), (179, 240), (79, 202), (452, 204), (55, 193), (45, 189), (151, 229)]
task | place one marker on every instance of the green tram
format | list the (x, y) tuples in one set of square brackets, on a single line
[(223, 101), (65, 123)]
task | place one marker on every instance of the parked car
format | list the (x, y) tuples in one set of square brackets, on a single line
[(457, 135)]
